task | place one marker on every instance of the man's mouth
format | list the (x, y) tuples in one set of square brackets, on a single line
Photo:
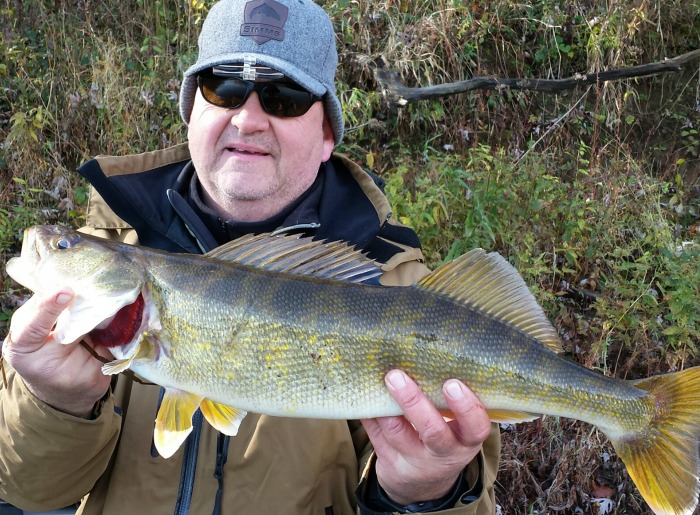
[(247, 151)]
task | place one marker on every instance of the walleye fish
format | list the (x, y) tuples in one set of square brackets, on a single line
[(285, 326)]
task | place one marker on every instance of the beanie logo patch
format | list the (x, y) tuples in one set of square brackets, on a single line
[(264, 20)]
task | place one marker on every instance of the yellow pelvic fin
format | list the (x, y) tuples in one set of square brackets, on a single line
[(491, 285), (223, 418), (174, 420), (511, 417), (662, 458)]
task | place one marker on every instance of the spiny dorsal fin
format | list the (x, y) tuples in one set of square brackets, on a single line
[(300, 256), (488, 283)]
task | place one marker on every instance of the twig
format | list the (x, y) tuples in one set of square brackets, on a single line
[(554, 125)]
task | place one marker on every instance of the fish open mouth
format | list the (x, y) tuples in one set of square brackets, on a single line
[(122, 327)]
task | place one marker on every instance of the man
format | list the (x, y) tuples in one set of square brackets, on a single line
[(263, 119)]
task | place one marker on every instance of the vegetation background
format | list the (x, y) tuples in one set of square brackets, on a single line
[(594, 195)]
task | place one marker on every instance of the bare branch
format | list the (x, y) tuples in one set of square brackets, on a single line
[(399, 95)]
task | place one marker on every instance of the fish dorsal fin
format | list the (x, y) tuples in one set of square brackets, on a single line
[(299, 256), (489, 284)]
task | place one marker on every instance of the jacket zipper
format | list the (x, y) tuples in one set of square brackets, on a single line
[(189, 466), (282, 230), (221, 457)]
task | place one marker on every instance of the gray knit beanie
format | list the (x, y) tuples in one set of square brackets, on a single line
[(295, 37)]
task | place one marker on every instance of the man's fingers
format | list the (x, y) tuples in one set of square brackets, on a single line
[(33, 322), (471, 424), (419, 411), (470, 427)]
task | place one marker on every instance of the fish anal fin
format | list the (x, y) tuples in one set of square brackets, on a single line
[(500, 416), (223, 418), (174, 420), (511, 417), (662, 458), (487, 283), (447, 414)]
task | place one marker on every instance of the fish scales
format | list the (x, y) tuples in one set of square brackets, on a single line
[(281, 326), (323, 344)]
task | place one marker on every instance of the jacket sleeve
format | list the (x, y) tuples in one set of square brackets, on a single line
[(476, 495), (49, 459)]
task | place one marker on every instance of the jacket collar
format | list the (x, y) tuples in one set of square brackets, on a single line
[(338, 205)]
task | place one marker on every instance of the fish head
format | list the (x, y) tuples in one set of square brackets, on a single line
[(104, 275)]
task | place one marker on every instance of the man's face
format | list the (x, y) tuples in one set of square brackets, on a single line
[(252, 165)]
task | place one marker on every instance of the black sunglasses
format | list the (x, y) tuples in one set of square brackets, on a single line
[(284, 99)]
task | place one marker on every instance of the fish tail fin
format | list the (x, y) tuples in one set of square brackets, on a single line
[(662, 459)]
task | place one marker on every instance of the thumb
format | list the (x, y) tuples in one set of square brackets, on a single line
[(33, 322)]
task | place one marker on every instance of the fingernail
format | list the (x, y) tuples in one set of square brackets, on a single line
[(63, 298), (454, 390), (396, 379)]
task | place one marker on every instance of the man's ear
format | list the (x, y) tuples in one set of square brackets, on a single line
[(328, 139)]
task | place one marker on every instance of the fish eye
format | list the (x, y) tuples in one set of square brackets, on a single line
[(66, 242)]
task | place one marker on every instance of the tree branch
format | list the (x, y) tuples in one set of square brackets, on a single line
[(399, 95)]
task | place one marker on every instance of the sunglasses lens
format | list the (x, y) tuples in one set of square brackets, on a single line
[(284, 100), (228, 92), (277, 99)]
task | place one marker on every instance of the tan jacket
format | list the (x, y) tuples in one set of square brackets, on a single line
[(275, 465)]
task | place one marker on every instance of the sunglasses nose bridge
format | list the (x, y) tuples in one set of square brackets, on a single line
[(250, 116)]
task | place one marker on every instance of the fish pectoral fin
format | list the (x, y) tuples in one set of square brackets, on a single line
[(117, 366), (511, 417), (222, 417), (121, 365), (174, 420)]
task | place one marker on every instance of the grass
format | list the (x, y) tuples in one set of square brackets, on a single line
[(593, 195)]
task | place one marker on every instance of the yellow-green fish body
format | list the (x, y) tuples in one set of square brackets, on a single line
[(285, 327)]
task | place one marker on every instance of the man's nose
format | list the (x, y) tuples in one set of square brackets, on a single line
[(251, 117)]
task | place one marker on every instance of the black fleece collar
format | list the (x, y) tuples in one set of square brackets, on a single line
[(301, 213)]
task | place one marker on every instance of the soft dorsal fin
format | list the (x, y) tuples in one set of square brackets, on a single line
[(489, 284), (300, 256)]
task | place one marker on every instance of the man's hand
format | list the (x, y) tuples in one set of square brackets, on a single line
[(66, 377), (420, 456)]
